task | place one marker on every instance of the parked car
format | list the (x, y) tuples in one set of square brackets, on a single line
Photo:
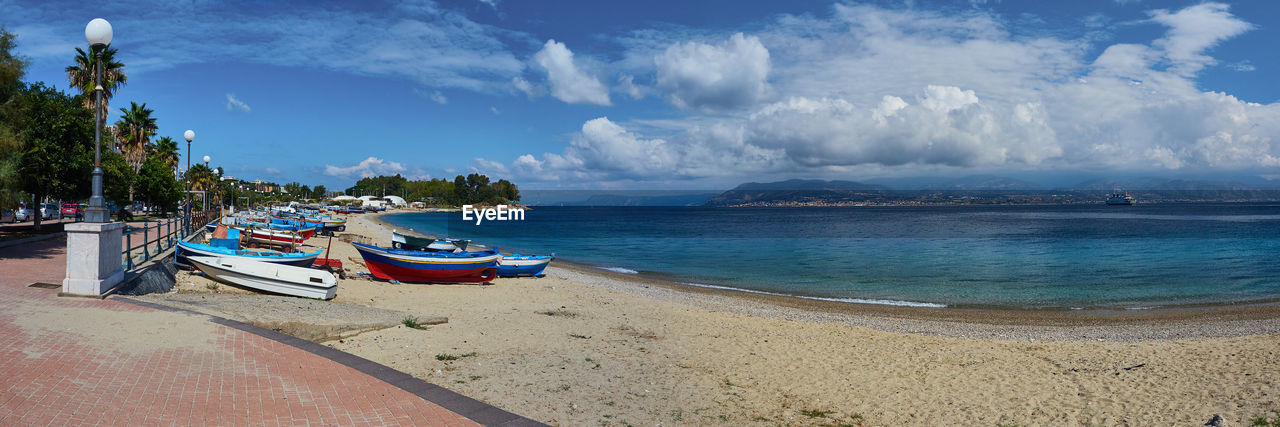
[(49, 211), (21, 215), (72, 210)]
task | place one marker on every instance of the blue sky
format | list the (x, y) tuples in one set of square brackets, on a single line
[(658, 94)]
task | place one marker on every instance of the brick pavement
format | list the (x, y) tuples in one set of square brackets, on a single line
[(88, 361)]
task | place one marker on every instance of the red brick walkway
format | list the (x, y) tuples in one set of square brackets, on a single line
[(83, 361)]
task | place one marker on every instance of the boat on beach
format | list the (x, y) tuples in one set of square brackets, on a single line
[(429, 267), (269, 277), (414, 243), (516, 265), (185, 250)]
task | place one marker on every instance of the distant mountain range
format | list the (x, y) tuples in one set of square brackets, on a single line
[(986, 190), (921, 190)]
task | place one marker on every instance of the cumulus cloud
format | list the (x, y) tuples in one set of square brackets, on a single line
[(235, 104), (367, 168), (1194, 30), (874, 89), (569, 83), (728, 75), (528, 88)]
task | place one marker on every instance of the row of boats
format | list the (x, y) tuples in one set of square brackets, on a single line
[(295, 272)]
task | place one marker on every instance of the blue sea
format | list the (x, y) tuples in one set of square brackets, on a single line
[(1068, 257)]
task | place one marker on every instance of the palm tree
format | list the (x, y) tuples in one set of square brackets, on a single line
[(83, 73), (166, 149), (136, 129), (201, 178)]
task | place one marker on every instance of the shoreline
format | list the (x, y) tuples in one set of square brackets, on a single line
[(583, 346), (1163, 323)]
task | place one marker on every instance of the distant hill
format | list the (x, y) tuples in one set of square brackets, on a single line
[(807, 185), (616, 197), (985, 190)]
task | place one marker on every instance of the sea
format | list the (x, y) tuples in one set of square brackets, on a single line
[(1030, 257)]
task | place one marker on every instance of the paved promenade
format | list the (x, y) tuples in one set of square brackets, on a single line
[(84, 361)]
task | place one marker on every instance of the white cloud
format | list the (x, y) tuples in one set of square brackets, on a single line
[(528, 88), (439, 98), (888, 90), (1194, 30), (272, 171), (1242, 66), (626, 84), (491, 3), (417, 40), (369, 167), (495, 110), (729, 75), (234, 104), (568, 83)]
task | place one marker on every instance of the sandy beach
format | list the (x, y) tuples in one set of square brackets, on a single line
[(587, 347)]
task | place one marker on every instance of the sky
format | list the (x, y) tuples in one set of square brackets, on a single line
[(570, 94)]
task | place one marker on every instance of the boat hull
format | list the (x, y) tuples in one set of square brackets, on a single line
[(186, 250), (516, 267), (272, 278), (425, 267)]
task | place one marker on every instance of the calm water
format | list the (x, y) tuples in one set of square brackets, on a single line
[(1034, 257)]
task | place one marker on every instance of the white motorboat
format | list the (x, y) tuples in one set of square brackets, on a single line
[(269, 277)]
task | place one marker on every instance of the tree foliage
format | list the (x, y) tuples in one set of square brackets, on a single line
[(82, 75), (12, 68), (57, 135), (156, 186), (470, 189)]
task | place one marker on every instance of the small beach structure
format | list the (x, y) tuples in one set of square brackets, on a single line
[(268, 277), (430, 267)]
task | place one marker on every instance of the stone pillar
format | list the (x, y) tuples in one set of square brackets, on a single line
[(93, 258)]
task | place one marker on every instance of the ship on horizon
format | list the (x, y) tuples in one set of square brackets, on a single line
[(1121, 199)]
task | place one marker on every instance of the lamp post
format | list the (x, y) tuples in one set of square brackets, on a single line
[(206, 161), (189, 135), (98, 34)]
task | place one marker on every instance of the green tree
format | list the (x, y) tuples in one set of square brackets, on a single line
[(136, 128), (156, 185), (83, 73), (166, 149), (319, 192), (117, 178), (201, 178), (12, 68), (56, 156)]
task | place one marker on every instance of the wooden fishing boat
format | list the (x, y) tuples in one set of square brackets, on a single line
[(516, 265), (186, 250), (414, 243), (429, 267), (268, 277)]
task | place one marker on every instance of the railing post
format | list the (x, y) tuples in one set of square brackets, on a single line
[(128, 249), (146, 254)]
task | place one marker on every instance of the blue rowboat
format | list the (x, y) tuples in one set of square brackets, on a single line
[(430, 267), (186, 249), (516, 265)]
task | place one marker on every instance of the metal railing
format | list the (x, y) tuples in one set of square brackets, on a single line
[(154, 236)]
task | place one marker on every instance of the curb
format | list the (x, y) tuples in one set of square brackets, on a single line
[(475, 410), (32, 239)]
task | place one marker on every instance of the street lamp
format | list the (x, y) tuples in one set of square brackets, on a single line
[(206, 161), (189, 135), (98, 34)]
